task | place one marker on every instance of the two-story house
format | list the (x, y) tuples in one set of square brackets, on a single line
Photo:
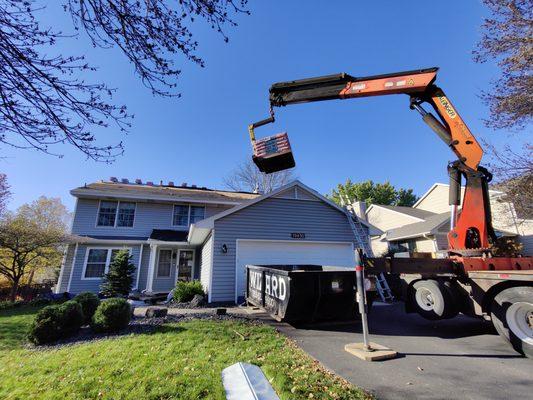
[(184, 233)]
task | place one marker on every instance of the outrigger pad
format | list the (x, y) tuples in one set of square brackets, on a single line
[(273, 153)]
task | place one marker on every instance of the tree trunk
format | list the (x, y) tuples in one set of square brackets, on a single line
[(14, 289)]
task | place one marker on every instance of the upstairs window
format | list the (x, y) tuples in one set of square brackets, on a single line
[(184, 215), (181, 215), (116, 214), (197, 214), (126, 214), (107, 213)]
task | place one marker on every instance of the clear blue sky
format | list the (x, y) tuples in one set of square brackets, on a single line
[(202, 136)]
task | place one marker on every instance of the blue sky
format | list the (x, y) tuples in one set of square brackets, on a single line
[(200, 137)]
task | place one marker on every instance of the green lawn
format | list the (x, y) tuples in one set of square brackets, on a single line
[(178, 361)]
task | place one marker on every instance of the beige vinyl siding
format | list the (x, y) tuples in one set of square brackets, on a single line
[(386, 219), (379, 246), (424, 245), (437, 200)]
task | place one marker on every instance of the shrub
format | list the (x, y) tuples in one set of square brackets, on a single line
[(111, 315), (119, 279), (71, 318), (185, 291), (89, 302), (46, 326), (7, 304)]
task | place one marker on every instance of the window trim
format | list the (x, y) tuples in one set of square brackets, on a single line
[(116, 214), (188, 205), (107, 260), (172, 252)]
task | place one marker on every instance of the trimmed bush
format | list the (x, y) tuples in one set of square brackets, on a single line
[(89, 302), (185, 291), (111, 315), (47, 325), (71, 318)]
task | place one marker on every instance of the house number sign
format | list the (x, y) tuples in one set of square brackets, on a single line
[(298, 235)]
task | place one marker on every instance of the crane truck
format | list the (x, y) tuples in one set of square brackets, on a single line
[(471, 279)]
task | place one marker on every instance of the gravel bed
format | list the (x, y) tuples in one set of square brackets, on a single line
[(138, 325)]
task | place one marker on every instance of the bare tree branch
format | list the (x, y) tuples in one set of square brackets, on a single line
[(247, 177)]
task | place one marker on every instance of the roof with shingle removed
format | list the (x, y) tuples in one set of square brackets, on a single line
[(174, 193)]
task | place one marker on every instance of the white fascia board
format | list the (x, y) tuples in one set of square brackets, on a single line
[(82, 240), (413, 236), (198, 235), (91, 193), (166, 242)]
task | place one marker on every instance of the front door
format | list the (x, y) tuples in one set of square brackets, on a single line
[(185, 265)]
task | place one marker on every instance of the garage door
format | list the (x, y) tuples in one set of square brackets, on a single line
[(280, 252)]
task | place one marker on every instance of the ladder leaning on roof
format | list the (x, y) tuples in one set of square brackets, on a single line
[(361, 240)]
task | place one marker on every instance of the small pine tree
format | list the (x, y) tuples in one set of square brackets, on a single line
[(119, 279)]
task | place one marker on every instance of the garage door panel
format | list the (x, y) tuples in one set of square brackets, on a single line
[(280, 252)]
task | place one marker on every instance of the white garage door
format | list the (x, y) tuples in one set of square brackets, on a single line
[(261, 252)]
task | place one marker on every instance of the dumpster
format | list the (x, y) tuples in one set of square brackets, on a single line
[(302, 293)]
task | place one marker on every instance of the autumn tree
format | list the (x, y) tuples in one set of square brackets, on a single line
[(508, 38), (32, 239), (48, 99), (247, 177), (372, 193)]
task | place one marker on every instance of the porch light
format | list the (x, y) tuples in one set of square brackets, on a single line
[(224, 249)]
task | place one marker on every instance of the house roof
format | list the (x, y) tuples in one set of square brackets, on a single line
[(412, 212), (199, 231), (426, 227), (105, 189)]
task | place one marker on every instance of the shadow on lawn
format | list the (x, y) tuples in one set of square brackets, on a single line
[(14, 325)]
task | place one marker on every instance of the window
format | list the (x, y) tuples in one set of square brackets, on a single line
[(164, 264), (181, 215), (197, 214), (107, 213), (98, 261), (126, 214), (116, 214), (184, 215)]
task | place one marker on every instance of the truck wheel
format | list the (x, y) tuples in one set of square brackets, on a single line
[(512, 316), (433, 300)]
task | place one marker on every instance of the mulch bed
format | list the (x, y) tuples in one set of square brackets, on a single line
[(137, 326)]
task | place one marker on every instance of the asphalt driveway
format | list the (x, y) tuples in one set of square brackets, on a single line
[(461, 358)]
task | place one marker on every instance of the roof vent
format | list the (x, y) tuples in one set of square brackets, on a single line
[(170, 183), (194, 186), (113, 179), (138, 181), (184, 184), (125, 180), (150, 183)]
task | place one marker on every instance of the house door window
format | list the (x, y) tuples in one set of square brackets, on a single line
[(185, 265)]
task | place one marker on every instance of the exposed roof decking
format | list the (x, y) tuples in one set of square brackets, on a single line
[(162, 193)]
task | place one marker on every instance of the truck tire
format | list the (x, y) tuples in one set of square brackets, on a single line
[(433, 299), (512, 316)]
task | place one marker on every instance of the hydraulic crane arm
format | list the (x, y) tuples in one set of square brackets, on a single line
[(472, 228), (417, 84)]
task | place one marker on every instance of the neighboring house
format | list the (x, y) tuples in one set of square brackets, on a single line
[(186, 233), (424, 227)]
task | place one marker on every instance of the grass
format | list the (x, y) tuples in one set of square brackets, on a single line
[(178, 361)]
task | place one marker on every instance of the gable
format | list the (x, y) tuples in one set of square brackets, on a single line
[(436, 199), (296, 193)]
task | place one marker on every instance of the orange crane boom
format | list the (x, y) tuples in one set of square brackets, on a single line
[(471, 230)]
